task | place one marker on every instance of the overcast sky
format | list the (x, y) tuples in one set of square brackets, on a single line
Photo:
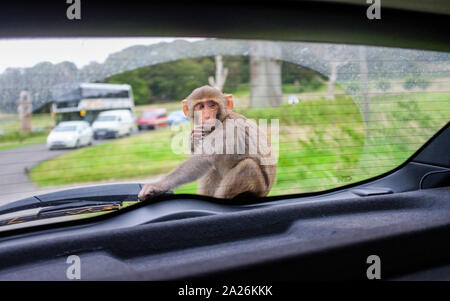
[(81, 51)]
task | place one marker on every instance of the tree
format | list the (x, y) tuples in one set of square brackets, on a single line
[(238, 72), (303, 78), (141, 92), (334, 65), (335, 57), (167, 81), (221, 74)]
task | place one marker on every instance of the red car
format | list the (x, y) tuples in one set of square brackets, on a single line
[(151, 119)]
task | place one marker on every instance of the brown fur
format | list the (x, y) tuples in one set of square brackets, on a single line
[(222, 175), (207, 92)]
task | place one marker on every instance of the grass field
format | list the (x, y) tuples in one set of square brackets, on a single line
[(12, 138), (25, 141), (399, 127)]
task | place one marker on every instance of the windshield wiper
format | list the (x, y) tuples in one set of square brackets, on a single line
[(67, 209), (100, 195), (35, 203)]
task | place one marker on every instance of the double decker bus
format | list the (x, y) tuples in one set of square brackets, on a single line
[(84, 101)]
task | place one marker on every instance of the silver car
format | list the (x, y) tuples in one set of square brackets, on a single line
[(70, 134)]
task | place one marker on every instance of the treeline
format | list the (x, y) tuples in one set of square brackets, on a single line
[(175, 80)]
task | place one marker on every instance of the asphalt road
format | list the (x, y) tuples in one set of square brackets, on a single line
[(15, 165)]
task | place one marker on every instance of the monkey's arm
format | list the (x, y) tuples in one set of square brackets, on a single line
[(188, 171)]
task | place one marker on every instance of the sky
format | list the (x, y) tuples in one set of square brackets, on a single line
[(81, 51)]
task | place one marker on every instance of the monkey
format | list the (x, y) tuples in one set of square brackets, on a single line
[(230, 154)]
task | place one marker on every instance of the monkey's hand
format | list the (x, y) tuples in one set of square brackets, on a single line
[(151, 190), (204, 129), (200, 131)]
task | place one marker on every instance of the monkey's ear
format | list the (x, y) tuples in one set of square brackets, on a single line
[(229, 100), (185, 107)]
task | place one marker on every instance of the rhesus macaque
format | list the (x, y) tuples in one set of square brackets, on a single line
[(230, 154)]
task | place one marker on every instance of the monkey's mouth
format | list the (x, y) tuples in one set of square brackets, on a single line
[(208, 129), (208, 126)]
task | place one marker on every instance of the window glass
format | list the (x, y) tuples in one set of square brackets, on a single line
[(107, 118), (65, 129), (335, 114)]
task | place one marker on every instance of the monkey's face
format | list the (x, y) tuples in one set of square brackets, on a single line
[(206, 104), (206, 109)]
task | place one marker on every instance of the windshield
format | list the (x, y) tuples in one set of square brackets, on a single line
[(106, 118), (331, 114), (149, 114), (66, 128)]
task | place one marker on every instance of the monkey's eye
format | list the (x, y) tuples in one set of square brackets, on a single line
[(198, 106), (212, 104)]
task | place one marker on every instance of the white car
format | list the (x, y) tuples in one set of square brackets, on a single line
[(70, 134), (114, 124)]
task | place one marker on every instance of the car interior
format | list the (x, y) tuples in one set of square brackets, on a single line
[(401, 215)]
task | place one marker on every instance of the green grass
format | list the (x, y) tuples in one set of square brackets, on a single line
[(12, 138), (141, 155), (243, 90), (399, 126), (25, 141), (292, 89)]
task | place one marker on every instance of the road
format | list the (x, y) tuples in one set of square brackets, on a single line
[(15, 165)]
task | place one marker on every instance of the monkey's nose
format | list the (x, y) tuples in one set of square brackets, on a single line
[(207, 116)]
